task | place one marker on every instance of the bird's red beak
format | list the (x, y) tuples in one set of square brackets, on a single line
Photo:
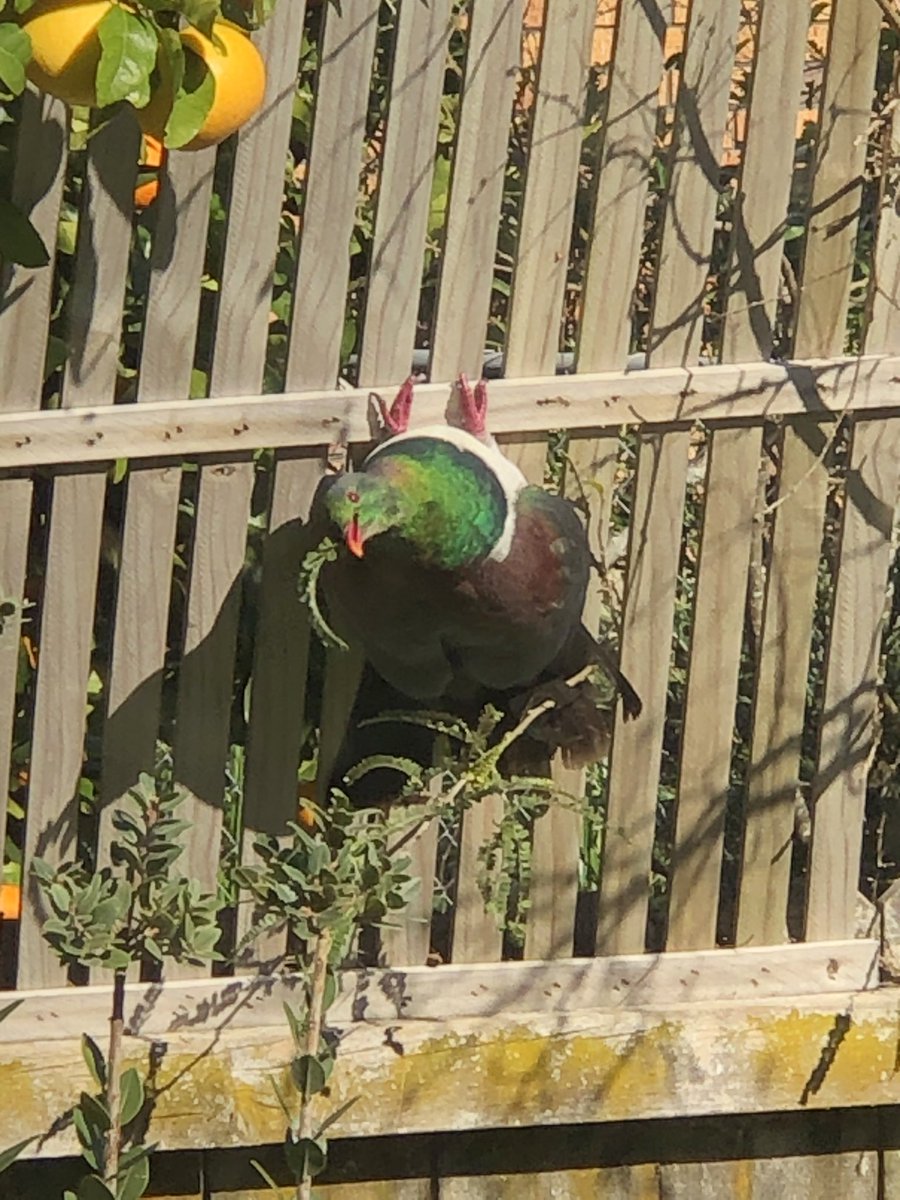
[(354, 539)]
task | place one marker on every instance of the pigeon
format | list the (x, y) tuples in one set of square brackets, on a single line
[(464, 586)]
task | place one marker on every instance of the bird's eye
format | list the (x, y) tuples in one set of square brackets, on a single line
[(353, 497)]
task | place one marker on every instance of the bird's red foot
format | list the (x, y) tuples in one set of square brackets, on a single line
[(473, 405), (396, 418)]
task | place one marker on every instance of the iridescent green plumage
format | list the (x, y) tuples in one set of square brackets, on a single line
[(441, 501)]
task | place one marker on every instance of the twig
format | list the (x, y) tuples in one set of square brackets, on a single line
[(490, 758), (114, 1080), (313, 1040)]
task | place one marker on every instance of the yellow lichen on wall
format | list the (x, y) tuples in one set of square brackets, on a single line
[(215, 1089)]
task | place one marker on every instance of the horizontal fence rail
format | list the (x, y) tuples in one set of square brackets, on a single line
[(748, 391)]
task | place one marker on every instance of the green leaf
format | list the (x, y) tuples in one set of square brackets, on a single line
[(95, 1113), (93, 1056), (193, 100), (127, 58), (132, 1181), (92, 1187), (20, 242), (375, 762), (201, 13), (294, 1022), (308, 1074), (15, 54), (265, 1175), (9, 1156), (132, 1090), (305, 1156), (8, 1009)]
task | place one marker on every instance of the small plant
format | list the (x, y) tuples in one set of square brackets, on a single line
[(112, 919), (323, 884)]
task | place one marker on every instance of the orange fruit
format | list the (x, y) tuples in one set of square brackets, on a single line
[(240, 78), (154, 154), (152, 159), (10, 901), (65, 47), (146, 193)]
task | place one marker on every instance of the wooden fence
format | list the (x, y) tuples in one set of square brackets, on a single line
[(745, 507)]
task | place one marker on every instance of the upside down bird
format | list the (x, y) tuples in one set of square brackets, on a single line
[(464, 586)]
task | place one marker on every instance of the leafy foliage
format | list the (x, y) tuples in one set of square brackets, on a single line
[(112, 917), (339, 877), (310, 570)]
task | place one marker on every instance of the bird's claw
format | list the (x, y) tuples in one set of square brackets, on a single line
[(396, 418), (473, 405)]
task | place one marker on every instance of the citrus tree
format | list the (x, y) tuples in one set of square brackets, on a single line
[(187, 68)]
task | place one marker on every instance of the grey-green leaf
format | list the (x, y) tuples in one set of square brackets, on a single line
[(308, 1074), (92, 1187), (93, 1056), (9, 1156), (132, 1089), (132, 1181)]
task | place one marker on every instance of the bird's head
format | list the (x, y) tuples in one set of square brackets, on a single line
[(362, 506)]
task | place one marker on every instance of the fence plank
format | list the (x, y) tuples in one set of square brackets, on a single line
[(618, 228), (781, 687), (838, 179), (705, 763), (687, 237), (884, 321), (542, 252), (759, 219), (589, 475), (404, 198), (851, 685), (734, 456), (461, 317), (647, 623), (675, 335), (278, 702), (225, 487), (24, 312), (329, 206), (476, 935), (404, 192), (539, 279), (553, 886), (760, 210), (479, 164), (104, 240), (142, 603), (388, 337)]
